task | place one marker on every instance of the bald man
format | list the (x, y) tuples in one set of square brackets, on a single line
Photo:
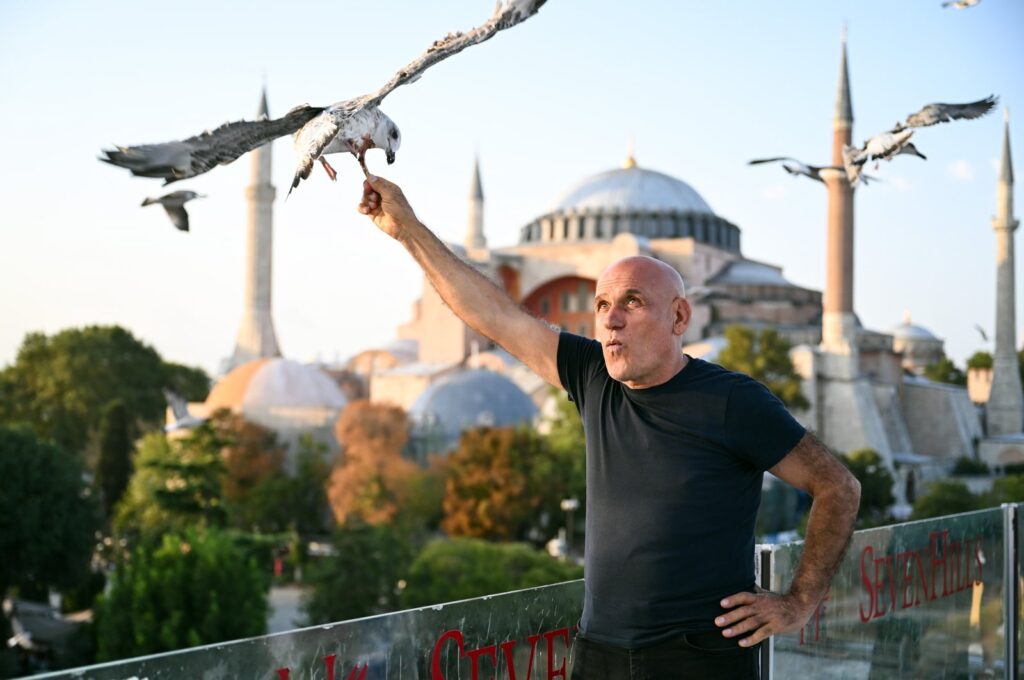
[(676, 451)]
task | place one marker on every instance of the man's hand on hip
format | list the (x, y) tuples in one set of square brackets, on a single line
[(386, 205), (763, 613)]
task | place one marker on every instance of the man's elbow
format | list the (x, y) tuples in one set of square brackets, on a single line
[(850, 492)]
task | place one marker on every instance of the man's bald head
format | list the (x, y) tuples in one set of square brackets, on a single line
[(662, 275)]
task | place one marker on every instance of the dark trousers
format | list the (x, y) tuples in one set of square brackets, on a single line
[(704, 656)]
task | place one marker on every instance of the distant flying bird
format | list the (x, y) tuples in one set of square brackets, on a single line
[(895, 142), (183, 420), (795, 167), (354, 125), (981, 331), (174, 204), (960, 4)]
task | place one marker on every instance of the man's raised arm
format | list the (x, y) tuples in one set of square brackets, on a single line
[(472, 296)]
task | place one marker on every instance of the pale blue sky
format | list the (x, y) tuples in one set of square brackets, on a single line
[(701, 88)]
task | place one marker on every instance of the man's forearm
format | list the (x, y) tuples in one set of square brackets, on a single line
[(472, 296), (829, 527)]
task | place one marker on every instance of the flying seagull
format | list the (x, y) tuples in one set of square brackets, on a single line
[(960, 4), (981, 332), (354, 125), (887, 145), (174, 204), (183, 420), (795, 167)]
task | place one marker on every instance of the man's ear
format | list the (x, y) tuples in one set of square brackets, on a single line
[(682, 312)]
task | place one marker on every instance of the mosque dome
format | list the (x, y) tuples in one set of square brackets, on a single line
[(276, 383), (908, 331), (471, 398), (631, 200), (633, 189)]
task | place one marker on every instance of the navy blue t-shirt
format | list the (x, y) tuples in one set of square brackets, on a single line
[(673, 486)]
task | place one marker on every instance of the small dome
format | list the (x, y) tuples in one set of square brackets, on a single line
[(471, 398), (749, 272), (273, 383), (630, 189), (908, 331)]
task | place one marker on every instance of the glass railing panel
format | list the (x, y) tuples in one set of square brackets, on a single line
[(917, 600), (524, 634)]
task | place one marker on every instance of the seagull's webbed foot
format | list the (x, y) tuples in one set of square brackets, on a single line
[(328, 169)]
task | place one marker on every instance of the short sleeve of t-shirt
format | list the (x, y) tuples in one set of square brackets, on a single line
[(579, 360), (758, 428)]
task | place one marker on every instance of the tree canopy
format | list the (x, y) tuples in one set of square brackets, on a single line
[(47, 518), (460, 568), (876, 484), (59, 385), (508, 484), (945, 371), (188, 589), (765, 358)]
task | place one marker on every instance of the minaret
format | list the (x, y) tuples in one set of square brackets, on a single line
[(256, 337), (838, 330), (475, 239), (1004, 413)]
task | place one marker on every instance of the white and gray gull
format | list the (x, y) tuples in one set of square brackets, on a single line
[(887, 145), (174, 204), (354, 125)]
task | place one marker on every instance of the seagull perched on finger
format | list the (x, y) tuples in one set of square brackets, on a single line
[(174, 204), (354, 125), (795, 167)]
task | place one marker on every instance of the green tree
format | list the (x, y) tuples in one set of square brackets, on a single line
[(361, 577), (114, 465), (765, 358), (980, 359), (876, 484), (188, 589), (281, 502), (945, 371), (460, 568), (190, 382), (945, 497), (59, 385), (47, 517), (1009, 489), (176, 484), (506, 484)]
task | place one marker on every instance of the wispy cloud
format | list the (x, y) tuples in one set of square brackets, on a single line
[(960, 170), (774, 193)]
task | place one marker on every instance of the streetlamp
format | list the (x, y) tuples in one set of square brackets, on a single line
[(569, 505)]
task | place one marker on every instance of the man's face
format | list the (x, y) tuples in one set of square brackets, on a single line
[(639, 321)]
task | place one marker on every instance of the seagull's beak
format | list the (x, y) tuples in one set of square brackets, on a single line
[(390, 156)]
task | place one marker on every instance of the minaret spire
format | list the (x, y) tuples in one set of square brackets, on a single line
[(1004, 413), (839, 331), (475, 239), (256, 336)]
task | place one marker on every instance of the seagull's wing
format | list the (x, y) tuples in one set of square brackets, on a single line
[(758, 161), (944, 113), (506, 14), (193, 156), (315, 135), (179, 218)]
